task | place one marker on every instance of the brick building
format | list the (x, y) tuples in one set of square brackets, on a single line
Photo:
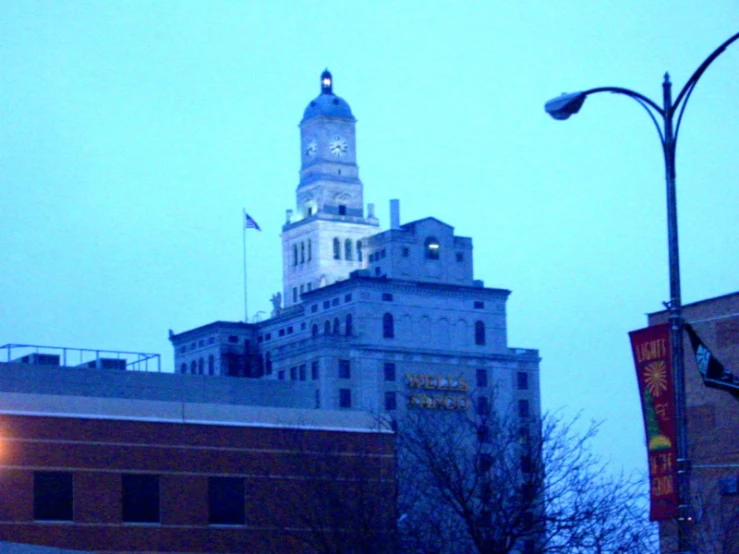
[(713, 430), (112, 461)]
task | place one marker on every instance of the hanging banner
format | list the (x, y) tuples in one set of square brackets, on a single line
[(652, 358)]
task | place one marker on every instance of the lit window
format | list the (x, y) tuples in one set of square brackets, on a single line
[(432, 248)]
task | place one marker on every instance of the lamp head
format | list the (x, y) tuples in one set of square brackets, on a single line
[(565, 105)]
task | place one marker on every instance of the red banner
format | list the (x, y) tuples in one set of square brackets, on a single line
[(652, 358)]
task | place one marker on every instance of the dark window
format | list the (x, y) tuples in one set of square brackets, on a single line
[(290, 330), (52, 495), (347, 298), (301, 372), (482, 405), (348, 325), (479, 332), (193, 367), (345, 369), (314, 330), (523, 408), (335, 302), (337, 326), (345, 398), (337, 249), (281, 332), (295, 294), (482, 378), (233, 338), (302, 252), (314, 371), (211, 365), (460, 256), (388, 326), (201, 366), (140, 498), (387, 296), (281, 375), (479, 305), (327, 328), (342, 207), (391, 402), (314, 308), (348, 249), (383, 252), (295, 254), (359, 250), (310, 249), (523, 380), (183, 368), (378, 270), (389, 372), (326, 304), (293, 373), (432, 248), (405, 252), (226, 502)]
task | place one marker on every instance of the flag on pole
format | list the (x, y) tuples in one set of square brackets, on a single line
[(249, 222), (713, 372)]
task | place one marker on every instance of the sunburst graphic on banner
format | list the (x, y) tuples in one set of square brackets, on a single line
[(655, 377)]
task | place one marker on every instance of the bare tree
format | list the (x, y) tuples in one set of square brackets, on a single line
[(480, 483), (330, 496)]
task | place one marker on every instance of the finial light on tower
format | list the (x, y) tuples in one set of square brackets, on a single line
[(326, 82)]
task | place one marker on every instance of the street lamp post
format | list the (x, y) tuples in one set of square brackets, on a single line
[(566, 105)]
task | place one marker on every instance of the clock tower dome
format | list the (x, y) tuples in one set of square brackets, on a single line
[(322, 238)]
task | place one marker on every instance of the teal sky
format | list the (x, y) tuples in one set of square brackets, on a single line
[(132, 134)]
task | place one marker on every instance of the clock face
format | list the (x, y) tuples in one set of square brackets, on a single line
[(338, 146), (311, 149)]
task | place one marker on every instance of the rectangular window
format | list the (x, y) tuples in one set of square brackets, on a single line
[(482, 378), (479, 305), (318, 398), (523, 380), (389, 372), (326, 304), (405, 252), (281, 375), (523, 408), (314, 308), (314, 371), (293, 373), (345, 369), (290, 330), (383, 253), (226, 503), (140, 498), (345, 398), (460, 256), (387, 297), (390, 401), (335, 302), (347, 298), (378, 270), (281, 332), (295, 294), (482, 405), (301, 372), (52, 495)]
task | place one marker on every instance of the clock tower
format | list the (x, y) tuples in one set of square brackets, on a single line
[(322, 239)]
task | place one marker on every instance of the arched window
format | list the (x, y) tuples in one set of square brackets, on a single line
[(302, 252), (183, 368), (310, 250), (337, 326), (479, 332), (348, 249), (327, 328), (432, 248), (194, 367), (348, 326), (295, 254), (388, 326), (314, 330), (359, 250), (201, 366), (211, 365), (337, 249)]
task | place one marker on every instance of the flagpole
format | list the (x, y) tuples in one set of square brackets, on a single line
[(243, 234)]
